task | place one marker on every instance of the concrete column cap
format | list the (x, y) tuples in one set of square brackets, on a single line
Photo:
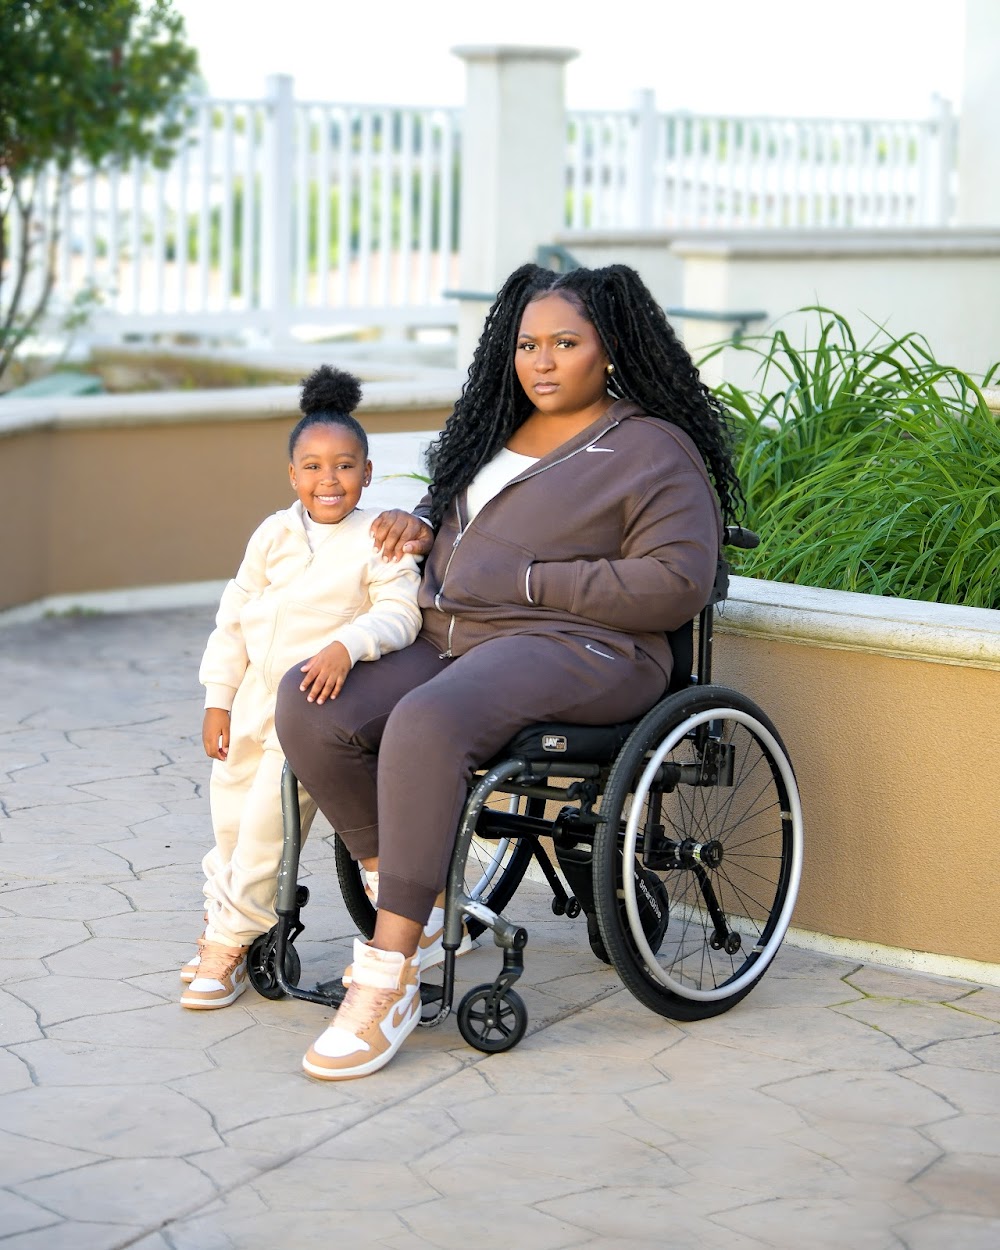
[(513, 52)]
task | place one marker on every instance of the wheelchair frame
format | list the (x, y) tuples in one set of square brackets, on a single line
[(680, 836)]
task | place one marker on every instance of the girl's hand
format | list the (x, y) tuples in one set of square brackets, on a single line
[(215, 733), (398, 533), (326, 673)]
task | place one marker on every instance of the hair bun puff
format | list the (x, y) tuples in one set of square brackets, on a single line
[(330, 390)]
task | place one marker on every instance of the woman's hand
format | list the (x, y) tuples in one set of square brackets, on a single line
[(398, 533), (326, 673), (215, 733)]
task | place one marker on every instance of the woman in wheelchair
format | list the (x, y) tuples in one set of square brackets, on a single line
[(574, 517)]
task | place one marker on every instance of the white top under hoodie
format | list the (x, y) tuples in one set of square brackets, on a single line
[(287, 602)]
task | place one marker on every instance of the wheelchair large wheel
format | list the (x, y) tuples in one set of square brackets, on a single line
[(494, 868), (698, 854)]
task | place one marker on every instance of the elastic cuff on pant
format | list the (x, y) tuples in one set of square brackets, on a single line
[(405, 898), (361, 843), (225, 938)]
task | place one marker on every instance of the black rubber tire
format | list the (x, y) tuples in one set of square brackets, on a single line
[(496, 1035), (751, 824), (260, 966), (496, 894), (596, 941), (352, 887)]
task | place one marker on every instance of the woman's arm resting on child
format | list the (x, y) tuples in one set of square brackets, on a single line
[(398, 533)]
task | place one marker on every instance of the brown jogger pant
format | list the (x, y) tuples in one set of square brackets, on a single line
[(388, 761)]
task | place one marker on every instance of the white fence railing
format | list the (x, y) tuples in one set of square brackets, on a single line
[(278, 213), (641, 169), (274, 213)]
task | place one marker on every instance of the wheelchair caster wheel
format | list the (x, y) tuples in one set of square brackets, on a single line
[(492, 1029), (558, 907), (573, 908), (260, 967)]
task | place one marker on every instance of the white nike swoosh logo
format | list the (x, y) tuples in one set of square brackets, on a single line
[(610, 450)]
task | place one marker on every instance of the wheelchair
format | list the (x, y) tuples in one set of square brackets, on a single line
[(678, 834)]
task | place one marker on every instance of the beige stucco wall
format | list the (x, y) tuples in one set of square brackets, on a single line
[(900, 785), (91, 502)]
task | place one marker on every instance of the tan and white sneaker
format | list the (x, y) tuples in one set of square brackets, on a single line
[(221, 977), (380, 1011), (190, 969)]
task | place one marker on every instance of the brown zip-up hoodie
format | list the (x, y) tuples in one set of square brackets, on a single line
[(612, 538)]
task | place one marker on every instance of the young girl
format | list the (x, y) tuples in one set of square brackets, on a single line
[(311, 585)]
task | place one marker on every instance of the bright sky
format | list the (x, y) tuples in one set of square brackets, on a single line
[(882, 58)]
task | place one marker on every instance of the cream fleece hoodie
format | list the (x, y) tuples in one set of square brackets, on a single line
[(287, 602)]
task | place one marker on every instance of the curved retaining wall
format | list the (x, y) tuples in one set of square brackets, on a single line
[(107, 492)]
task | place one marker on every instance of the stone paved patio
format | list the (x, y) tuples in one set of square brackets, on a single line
[(838, 1106)]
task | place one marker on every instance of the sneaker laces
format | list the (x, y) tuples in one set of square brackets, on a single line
[(363, 1005), (218, 961)]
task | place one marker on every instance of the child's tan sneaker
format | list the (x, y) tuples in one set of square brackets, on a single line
[(190, 969), (220, 979), (381, 1009)]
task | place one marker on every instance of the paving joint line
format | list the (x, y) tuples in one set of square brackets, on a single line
[(363, 1117)]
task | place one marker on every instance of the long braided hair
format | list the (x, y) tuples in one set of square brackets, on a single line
[(652, 368)]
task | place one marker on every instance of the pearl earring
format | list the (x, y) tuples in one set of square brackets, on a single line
[(609, 370)]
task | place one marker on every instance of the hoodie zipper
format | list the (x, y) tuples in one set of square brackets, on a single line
[(447, 653)]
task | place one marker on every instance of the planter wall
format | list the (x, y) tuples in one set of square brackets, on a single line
[(888, 708), (108, 492)]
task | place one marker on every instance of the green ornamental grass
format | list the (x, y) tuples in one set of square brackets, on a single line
[(868, 467)]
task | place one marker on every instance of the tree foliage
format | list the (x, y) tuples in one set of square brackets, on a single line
[(80, 80)]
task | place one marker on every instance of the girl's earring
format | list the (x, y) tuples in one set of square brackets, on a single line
[(609, 370)]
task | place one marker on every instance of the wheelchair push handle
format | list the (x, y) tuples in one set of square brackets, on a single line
[(737, 536)]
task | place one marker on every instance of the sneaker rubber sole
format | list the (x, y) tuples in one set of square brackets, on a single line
[(194, 1003)]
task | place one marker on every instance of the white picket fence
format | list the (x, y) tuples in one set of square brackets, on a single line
[(278, 212)]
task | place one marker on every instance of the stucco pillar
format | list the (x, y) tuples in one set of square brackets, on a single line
[(513, 168), (978, 131)]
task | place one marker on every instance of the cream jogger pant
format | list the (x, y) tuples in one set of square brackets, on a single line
[(241, 870)]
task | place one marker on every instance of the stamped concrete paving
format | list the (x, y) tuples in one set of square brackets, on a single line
[(838, 1106)]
